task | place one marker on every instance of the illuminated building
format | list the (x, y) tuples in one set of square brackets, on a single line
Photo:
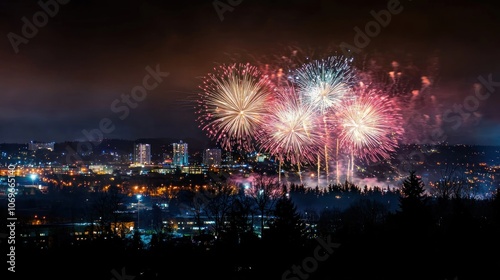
[(180, 154), (142, 154), (212, 157), (33, 146)]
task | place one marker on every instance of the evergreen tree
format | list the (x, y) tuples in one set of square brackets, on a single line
[(412, 193), (287, 226), (413, 203)]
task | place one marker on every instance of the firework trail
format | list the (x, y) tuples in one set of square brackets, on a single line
[(412, 84), (323, 84), (370, 126), (291, 130), (233, 103)]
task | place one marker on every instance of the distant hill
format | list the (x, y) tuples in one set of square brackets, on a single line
[(119, 145)]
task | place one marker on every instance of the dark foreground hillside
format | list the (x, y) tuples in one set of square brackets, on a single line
[(462, 245)]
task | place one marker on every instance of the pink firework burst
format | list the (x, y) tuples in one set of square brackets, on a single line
[(233, 104), (292, 129), (369, 125)]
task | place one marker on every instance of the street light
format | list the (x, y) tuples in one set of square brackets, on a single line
[(138, 209), (33, 178)]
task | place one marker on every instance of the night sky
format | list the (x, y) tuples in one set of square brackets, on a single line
[(65, 78)]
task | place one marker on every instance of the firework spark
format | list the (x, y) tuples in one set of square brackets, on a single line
[(324, 83), (412, 85), (281, 62), (233, 103), (291, 131), (370, 125)]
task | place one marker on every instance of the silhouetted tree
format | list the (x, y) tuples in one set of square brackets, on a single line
[(157, 223), (329, 222), (105, 206), (412, 193), (496, 207), (363, 215), (160, 232), (239, 224), (219, 203), (264, 192), (134, 243), (453, 184), (194, 200), (287, 226), (413, 202)]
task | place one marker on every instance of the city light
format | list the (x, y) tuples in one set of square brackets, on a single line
[(253, 139), (33, 178), (139, 196)]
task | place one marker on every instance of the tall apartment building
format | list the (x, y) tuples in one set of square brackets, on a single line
[(180, 154), (212, 157), (142, 153)]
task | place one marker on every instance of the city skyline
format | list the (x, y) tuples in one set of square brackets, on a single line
[(250, 139), (70, 77)]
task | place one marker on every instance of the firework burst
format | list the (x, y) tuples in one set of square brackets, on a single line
[(370, 125), (280, 63), (324, 83), (233, 103), (291, 130)]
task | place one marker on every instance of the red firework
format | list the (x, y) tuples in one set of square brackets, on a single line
[(292, 131), (369, 125)]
